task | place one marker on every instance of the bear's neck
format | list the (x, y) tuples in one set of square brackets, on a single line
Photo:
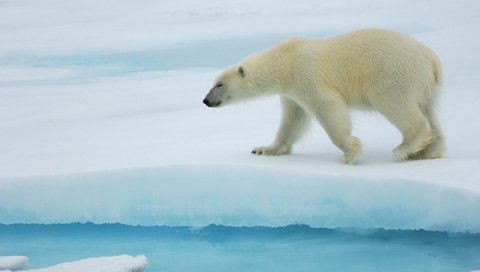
[(269, 71)]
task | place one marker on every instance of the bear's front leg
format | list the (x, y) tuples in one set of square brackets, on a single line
[(293, 125), (332, 113)]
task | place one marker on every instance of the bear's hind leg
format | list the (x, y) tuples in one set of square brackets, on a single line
[(436, 147), (413, 125), (293, 125)]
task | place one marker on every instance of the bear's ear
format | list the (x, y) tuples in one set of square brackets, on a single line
[(241, 71)]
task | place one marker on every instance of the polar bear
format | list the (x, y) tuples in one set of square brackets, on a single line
[(371, 69)]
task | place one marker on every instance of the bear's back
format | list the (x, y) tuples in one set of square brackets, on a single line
[(365, 63)]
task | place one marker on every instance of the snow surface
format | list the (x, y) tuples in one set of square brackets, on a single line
[(101, 118), (123, 263), (12, 262)]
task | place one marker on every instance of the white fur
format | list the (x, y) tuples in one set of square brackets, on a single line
[(369, 69)]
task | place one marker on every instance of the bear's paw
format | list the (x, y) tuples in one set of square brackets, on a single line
[(273, 150)]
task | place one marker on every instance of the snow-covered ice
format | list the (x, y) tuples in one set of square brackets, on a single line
[(101, 119), (238, 196), (122, 263), (12, 262), (78, 115)]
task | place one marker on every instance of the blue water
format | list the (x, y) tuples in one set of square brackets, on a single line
[(223, 248), (92, 66), (216, 54)]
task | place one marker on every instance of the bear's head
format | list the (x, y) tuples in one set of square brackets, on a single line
[(233, 85)]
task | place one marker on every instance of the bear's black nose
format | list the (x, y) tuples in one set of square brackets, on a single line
[(210, 103)]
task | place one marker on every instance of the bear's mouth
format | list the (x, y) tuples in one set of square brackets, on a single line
[(211, 104)]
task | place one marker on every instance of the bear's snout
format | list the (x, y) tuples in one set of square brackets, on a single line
[(214, 97), (210, 104)]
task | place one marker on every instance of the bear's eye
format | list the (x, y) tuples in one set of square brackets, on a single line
[(219, 84), (241, 71)]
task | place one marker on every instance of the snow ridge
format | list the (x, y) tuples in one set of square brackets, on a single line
[(121, 263), (238, 196), (8, 263)]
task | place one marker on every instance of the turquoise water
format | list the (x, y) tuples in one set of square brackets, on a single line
[(212, 54), (91, 66), (223, 248)]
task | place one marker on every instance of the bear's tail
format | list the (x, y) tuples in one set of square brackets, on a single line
[(437, 71), (436, 148)]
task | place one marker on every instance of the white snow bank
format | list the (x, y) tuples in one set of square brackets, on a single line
[(70, 116), (12, 262), (199, 157), (122, 263), (238, 196)]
